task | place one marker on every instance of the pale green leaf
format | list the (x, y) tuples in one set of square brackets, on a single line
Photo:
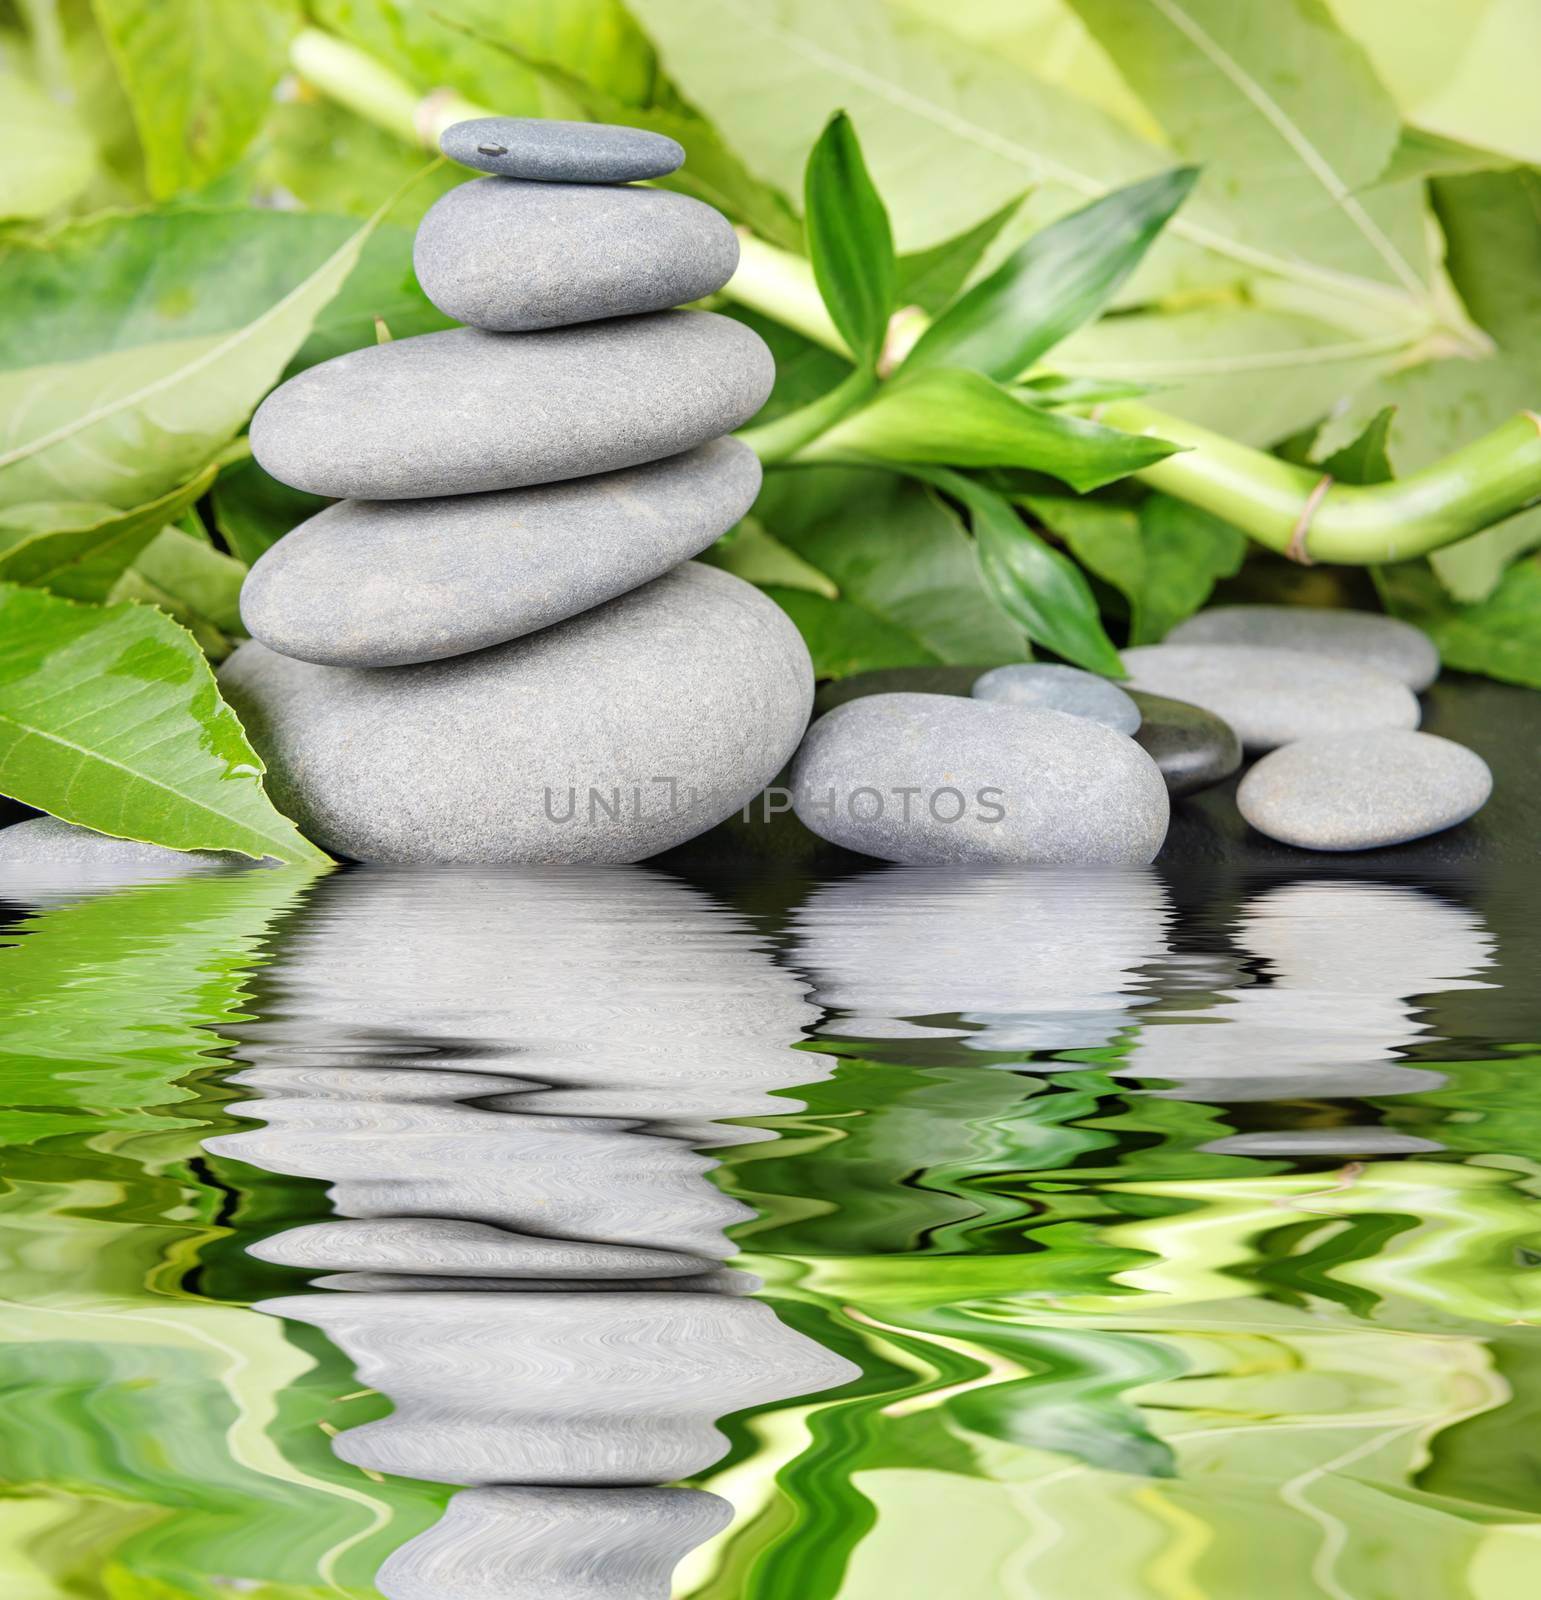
[(1288, 120), (203, 580), (199, 75), (110, 717), (895, 551), (132, 347), (45, 154), (1420, 154), (80, 551)]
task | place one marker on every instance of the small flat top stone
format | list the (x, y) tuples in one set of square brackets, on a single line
[(933, 779), (561, 152), (1193, 747), (380, 583), (1364, 790), (511, 256), (463, 412), (1067, 689), (1273, 697), (1366, 637), (49, 845)]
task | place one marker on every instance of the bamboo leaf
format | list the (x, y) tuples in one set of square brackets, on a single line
[(849, 241), (1367, 459), (1056, 282), (964, 419), (932, 279), (110, 717)]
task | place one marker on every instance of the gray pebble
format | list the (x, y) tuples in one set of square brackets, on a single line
[(1067, 689), (465, 411), (988, 784), (375, 583), (511, 256), (1273, 697), (1366, 637), (1193, 748), (82, 854), (526, 751), (1362, 791), (561, 152)]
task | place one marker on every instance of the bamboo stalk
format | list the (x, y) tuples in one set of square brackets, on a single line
[(1294, 510)]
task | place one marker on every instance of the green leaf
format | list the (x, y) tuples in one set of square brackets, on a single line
[(81, 551), (1057, 281), (110, 717), (202, 580), (894, 550), (1421, 154), (849, 241), (1045, 591), (1367, 458), (1164, 558), (1288, 120), (132, 347), (965, 419), (842, 638), (933, 278), (45, 155), (199, 75), (752, 553), (1492, 226), (1499, 636), (253, 510)]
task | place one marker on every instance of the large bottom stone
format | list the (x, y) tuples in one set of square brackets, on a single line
[(608, 738)]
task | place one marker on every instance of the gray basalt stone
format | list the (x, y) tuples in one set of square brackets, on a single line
[(931, 779), (1366, 637), (561, 152), (610, 737), (1273, 697), (374, 583), (1067, 689), (1193, 748), (465, 411), (1363, 791), (512, 256)]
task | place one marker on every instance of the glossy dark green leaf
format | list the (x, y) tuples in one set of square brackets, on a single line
[(1367, 459), (849, 240), (109, 717), (1053, 284), (1042, 588), (931, 278), (964, 419), (842, 638)]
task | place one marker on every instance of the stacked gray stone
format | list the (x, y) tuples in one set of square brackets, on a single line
[(495, 647)]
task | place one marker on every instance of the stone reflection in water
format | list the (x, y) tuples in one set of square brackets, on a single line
[(1002, 961), (1331, 1009), (502, 1078)]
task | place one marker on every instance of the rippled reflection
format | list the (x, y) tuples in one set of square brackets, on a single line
[(911, 1232)]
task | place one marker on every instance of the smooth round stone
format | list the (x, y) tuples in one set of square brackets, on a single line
[(48, 843), (465, 411), (561, 152), (612, 736), (1362, 791), (1273, 697), (1366, 637), (1193, 748), (377, 583), (511, 256), (1067, 689), (931, 779)]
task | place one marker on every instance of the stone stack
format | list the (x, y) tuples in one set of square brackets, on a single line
[(495, 648)]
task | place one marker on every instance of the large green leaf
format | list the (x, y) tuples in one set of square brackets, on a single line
[(965, 419), (1499, 636), (1060, 279), (1289, 121), (132, 347), (110, 717), (199, 76), (45, 154), (849, 241), (1045, 591), (895, 552), (80, 551), (1492, 222)]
